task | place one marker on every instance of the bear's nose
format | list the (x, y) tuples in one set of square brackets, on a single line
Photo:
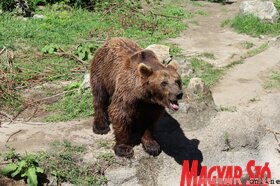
[(179, 95)]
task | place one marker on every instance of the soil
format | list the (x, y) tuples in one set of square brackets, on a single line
[(232, 136)]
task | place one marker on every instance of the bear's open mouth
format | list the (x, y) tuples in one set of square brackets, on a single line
[(174, 105)]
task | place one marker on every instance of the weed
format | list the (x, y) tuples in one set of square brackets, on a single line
[(206, 71), (232, 64), (247, 45), (252, 100), (64, 162), (202, 12), (251, 25), (24, 167), (198, 4), (207, 55), (273, 81), (104, 144), (84, 51), (174, 49), (256, 51), (225, 109), (228, 147), (107, 156), (186, 80), (50, 49)]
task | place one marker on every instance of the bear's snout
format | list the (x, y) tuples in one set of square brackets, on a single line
[(179, 94)]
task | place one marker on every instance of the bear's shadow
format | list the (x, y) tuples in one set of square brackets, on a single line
[(174, 143)]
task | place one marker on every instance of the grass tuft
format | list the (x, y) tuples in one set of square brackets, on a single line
[(206, 71), (71, 106), (251, 25)]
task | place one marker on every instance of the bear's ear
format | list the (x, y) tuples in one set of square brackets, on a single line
[(144, 70), (173, 65), (143, 55)]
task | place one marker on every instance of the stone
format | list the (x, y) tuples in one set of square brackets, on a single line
[(275, 42), (38, 16), (264, 10), (197, 106), (161, 51), (86, 82)]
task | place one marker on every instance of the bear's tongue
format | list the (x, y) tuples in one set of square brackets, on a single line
[(174, 106)]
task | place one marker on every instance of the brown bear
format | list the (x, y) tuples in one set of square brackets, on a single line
[(131, 89)]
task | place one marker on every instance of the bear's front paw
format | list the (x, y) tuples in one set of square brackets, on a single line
[(151, 147), (100, 129), (123, 150)]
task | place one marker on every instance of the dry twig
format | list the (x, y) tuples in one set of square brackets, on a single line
[(71, 56), (7, 116), (34, 112), (56, 95), (13, 135), (3, 49)]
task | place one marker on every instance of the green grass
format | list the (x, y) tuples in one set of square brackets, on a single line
[(273, 80), (207, 55), (251, 25), (71, 106), (196, 3), (202, 12), (247, 45), (64, 161), (256, 51), (277, 4), (68, 29), (204, 70), (232, 64)]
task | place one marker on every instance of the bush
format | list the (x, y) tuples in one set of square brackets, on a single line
[(10, 5), (7, 5)]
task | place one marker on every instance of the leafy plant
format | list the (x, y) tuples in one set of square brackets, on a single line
[(84, 51), (64, 162), (50, 49), (25, 167)]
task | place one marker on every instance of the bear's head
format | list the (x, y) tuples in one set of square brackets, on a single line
[(162, 84)]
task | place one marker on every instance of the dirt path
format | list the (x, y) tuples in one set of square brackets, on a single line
[(206, 34), (243, 127), (246, 81)]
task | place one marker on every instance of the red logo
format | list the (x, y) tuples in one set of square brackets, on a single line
[(224, 175)]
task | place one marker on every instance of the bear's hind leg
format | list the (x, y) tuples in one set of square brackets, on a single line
[(100, 104), (150, 145)]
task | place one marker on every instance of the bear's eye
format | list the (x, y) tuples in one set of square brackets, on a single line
[(178, 82), (164, 84)]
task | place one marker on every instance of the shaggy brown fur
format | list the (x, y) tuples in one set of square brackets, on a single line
[(140, 87)]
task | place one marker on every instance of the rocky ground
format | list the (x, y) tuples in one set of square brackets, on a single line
[(229, 127)]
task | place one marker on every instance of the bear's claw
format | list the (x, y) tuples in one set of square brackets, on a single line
[(100, 129), (124, 150), (152, 147)]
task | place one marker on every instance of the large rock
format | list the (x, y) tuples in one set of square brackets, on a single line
[(264, 10), (161, 51), (197, 106)]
